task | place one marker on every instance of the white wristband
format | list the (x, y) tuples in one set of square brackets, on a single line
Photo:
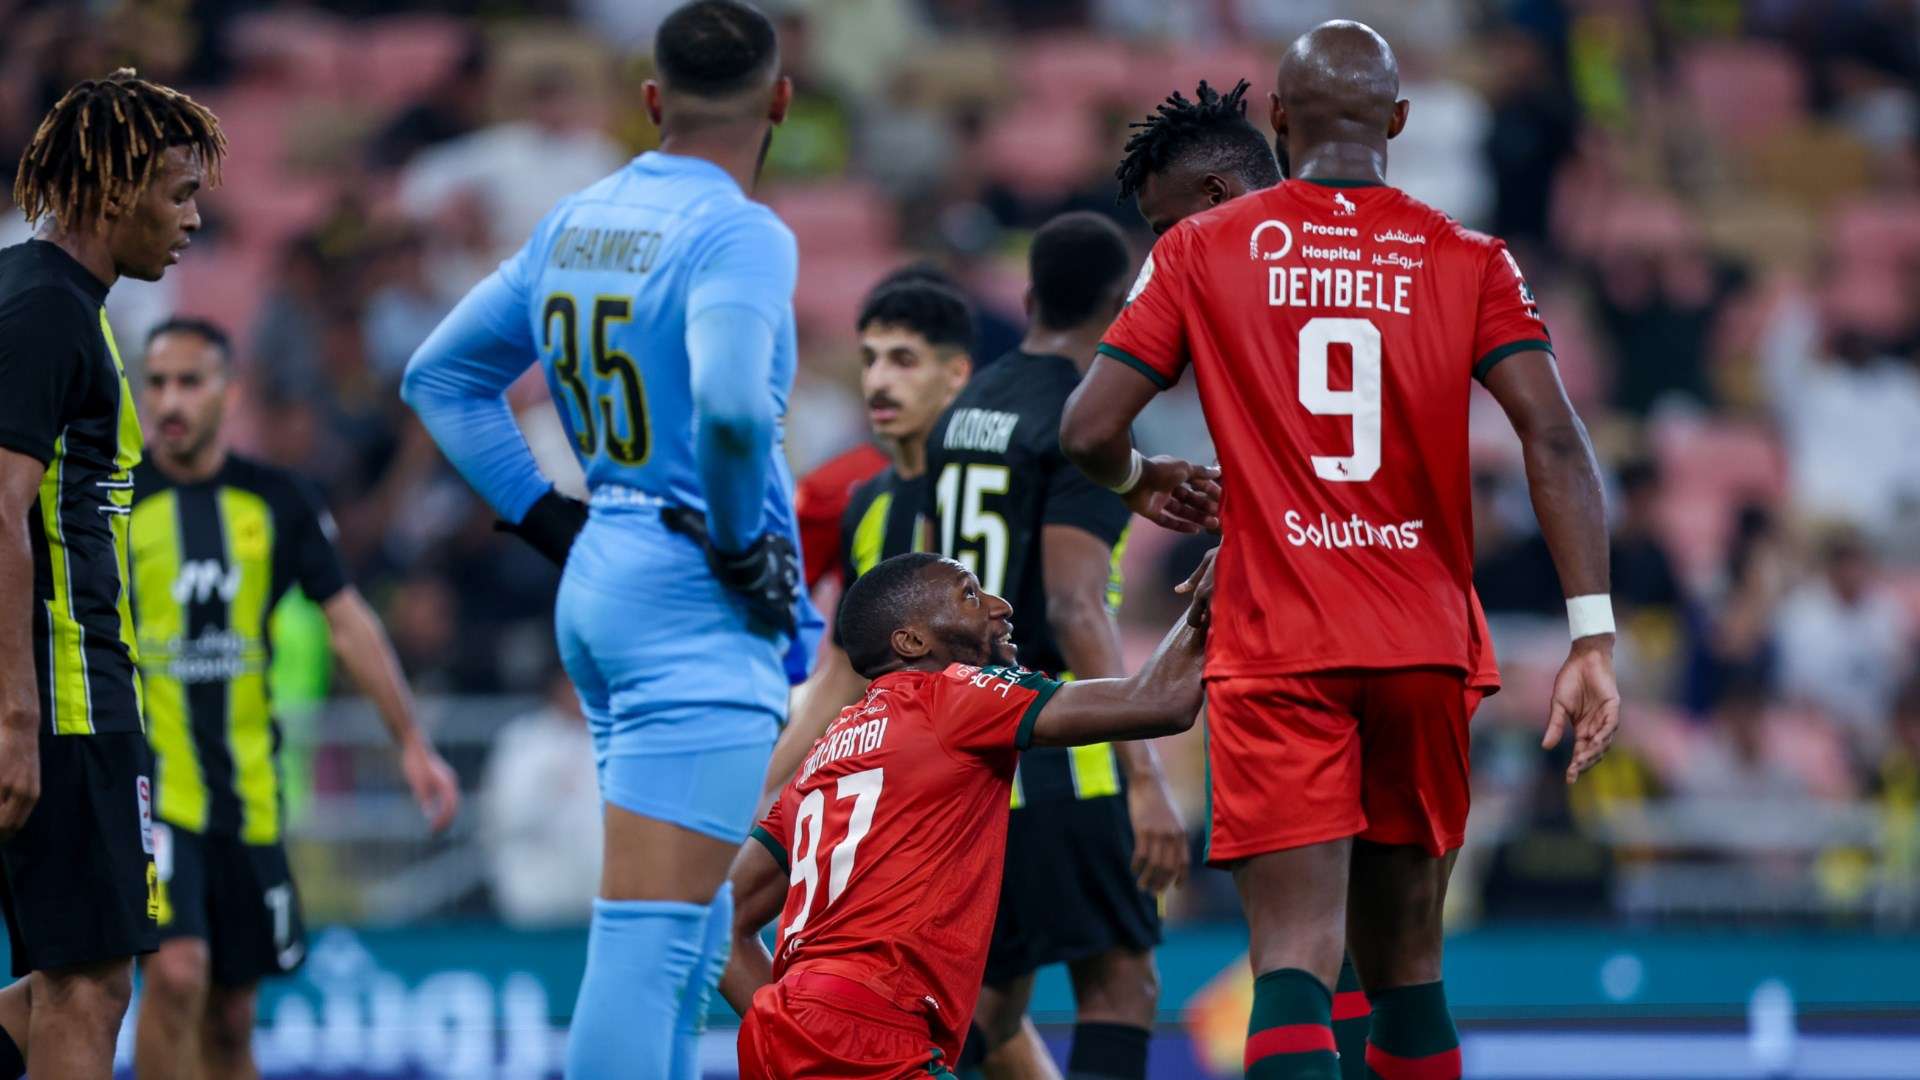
[(1589, 615), (1134, 470)]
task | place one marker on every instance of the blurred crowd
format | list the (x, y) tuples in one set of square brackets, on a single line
[(1717, 202)]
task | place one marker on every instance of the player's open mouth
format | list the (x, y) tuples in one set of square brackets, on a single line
[(174, 252)]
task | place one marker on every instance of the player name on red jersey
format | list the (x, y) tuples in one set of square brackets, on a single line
[(845, 742), (1338, 287)]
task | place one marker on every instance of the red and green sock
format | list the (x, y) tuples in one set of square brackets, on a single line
[(1413, 1036), (1350, 1022), (1290, 1034)]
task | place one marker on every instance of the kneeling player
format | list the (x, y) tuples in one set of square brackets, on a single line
[(883, 856)]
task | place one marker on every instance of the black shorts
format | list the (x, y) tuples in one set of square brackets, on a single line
[(1069, 892), (77, 881), (238, 898)]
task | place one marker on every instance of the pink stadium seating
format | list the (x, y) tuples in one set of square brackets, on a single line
[(1881, 233), (846, 216), (225, 284), (1745, 90), (826, 299), (1710, 468), (1042, 148), (294, 47), (1077, 70), (399, 57)]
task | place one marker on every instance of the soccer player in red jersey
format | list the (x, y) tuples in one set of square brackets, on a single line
[(882, 858), (1333, 323)]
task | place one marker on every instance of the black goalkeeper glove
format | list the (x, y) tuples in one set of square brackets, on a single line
[(550, 525), (766, 575)]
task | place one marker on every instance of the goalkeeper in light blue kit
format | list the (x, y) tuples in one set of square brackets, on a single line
[(659, 302)]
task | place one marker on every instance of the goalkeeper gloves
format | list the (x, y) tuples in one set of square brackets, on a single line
[(550, 525), (766, 575)]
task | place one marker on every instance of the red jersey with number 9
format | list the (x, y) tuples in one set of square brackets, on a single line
[(1333, 331), (893, 834)]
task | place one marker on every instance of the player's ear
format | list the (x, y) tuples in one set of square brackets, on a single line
[(1398, 122), (909, 644), (1026, 304), (1217, 189), (782, 99), (1277, 115), (650, 91), (959, 369)]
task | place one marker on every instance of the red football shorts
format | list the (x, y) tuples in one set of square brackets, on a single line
[(811, 1026), (1303, 759)]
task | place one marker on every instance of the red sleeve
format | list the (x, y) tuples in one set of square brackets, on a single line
[(772, 830), (984, 710), (1150, 336), (821, 498), (1509, 320)]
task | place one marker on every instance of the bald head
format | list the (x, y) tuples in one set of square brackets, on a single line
[(1339, 83)]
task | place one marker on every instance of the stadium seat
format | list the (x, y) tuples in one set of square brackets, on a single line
[(399, 57), (226, 284), (1743, 90), (1709, 468), (1071, 70), (1880, 233), (843, 217), (826, 299), (1042, 148), (294, 47)]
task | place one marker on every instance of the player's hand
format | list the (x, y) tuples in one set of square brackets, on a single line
[(550, 525), (1586, 700), (435, 787), (1160, 855), (1200, 584), (19, 776), (1177, 495), (766, 575)]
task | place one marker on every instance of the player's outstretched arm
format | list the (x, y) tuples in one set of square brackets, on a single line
[(759, 890), (1096, 435), (1076, 566), (1564, 480), (363, 648), (1162, 698)]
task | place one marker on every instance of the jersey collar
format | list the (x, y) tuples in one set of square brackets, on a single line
[(1341, 183), (662, 163)]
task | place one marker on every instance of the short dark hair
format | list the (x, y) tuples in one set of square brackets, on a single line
[(935, 312), (925, 271), (713, 48), (876, 604), (205, 329), (1210, 132), (1078, 260)]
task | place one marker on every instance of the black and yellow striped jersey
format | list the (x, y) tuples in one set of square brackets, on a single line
[(210, 561), (66, 403), (885, 517), (999, 478)]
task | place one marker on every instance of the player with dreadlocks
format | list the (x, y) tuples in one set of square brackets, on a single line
[(110, 176), (1190, 155)]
